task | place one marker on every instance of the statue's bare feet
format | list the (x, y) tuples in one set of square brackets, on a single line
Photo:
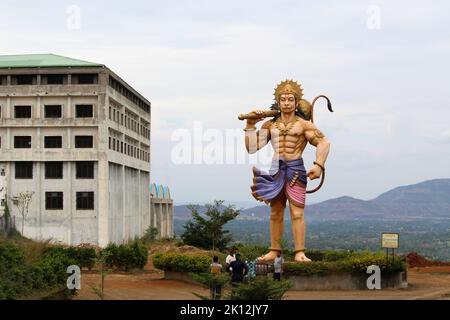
[(268, 257), (300, 257)]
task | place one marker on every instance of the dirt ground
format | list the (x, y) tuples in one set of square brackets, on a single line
[(424, 283)]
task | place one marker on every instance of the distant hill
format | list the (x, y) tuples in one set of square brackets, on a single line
[(426, 199)]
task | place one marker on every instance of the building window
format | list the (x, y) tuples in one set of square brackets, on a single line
[(22, 112), (55, 79), (121, 146), (84, 111), (84, 141), (85, 200), (53, 111), (87, 78), (22, 142), (54, 201), (53, 142), (85, 170), (53, 170), (24, 170), (25, 80)]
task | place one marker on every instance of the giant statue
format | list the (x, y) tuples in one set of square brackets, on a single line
[(289, 131)]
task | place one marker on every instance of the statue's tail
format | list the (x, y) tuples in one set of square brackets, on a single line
[(322, 180), (314, 102)]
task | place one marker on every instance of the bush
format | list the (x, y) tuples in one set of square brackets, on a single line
[(343, 262), (19, 279), (150, 235), (84, 255), (181, 262), (133, 255), (250, 252), (260, 288)]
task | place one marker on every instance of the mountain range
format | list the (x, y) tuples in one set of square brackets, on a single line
[(429, 199)]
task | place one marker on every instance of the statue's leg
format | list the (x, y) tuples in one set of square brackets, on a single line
[(298, 232), (276, 227)]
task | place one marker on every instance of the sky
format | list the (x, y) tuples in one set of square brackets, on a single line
[(384, 65)]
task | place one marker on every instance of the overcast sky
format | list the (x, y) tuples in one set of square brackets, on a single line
[(384, 65)]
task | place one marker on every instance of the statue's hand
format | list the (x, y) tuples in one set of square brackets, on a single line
[(252, 122), (315, 172)]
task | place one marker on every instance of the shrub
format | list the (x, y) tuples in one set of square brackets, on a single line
[(305, 269), (341, 261), (260, 288), (19, 278), (250, 252), (181, 262), (150, 235), (84, 255), (133, 255)]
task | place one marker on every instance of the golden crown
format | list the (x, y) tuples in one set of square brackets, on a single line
[(289, 87)]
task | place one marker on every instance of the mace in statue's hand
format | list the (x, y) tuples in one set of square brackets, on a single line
[(252, 122)]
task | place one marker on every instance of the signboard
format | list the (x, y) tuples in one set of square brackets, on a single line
[(389, 240)]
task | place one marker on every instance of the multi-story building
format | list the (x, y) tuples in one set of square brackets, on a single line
[(78, 136)]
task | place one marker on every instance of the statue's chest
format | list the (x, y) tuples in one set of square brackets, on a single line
[(292, 129)]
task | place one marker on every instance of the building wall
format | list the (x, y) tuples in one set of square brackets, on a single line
[(121, 195), (64, 226)]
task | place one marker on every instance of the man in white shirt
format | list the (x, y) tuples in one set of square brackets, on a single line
[(278, 267), (231, 257)]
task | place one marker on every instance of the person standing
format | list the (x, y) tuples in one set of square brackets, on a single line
[(278, 267), (238, 270), (231, 257), (216, 268)]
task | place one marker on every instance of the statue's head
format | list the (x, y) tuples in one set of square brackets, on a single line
[(288, 91), (288, 96)]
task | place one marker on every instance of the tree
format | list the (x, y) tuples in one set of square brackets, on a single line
[(207, 231), (7, 215), (150, 235), (22, 202), (260, 288)]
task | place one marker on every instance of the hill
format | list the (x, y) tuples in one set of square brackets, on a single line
[(428, 199)]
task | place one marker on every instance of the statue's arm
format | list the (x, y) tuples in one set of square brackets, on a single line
[(256, 139), (317, 139)]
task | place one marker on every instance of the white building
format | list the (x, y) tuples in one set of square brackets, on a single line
[(77, 135), (161, 210)]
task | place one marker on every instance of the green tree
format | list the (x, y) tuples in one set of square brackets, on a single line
[(260, 288), (207, 231)]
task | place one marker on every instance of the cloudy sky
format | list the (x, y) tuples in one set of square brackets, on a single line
[(384, 65)]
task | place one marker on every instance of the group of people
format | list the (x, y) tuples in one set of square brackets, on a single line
[(239, 269)]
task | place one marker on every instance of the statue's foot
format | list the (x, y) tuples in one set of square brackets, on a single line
[(301, 257), (268, 257)]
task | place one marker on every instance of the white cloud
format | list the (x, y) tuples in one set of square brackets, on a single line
[(207, 61)]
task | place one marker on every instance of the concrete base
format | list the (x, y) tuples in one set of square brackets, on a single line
[(346, 282)]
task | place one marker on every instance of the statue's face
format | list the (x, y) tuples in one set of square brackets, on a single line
[(287, 103)]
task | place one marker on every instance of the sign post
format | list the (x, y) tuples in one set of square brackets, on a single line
[(390, 241)]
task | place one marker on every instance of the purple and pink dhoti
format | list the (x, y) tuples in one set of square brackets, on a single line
[(286, 179)]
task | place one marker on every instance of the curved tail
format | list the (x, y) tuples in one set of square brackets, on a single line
[(322, 180), (314, 102)]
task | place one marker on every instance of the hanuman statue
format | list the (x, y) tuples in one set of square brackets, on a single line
[(289, 132)]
